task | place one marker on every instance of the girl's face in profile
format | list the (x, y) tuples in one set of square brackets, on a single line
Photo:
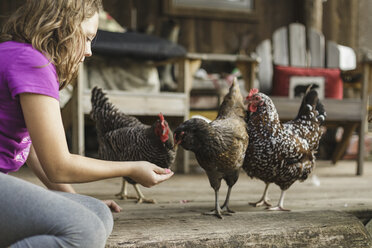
[(89, 27)]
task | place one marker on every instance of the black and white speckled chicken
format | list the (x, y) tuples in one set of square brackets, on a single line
[(282, 153), (123, 137), (220, 145)]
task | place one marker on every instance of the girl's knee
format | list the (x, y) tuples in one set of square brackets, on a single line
[(104, 213), (99, 208), (95, 235), (86, 232)]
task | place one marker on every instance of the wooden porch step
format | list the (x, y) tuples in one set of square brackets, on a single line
[(243, 229)]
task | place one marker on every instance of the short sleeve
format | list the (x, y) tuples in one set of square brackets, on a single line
[(31, 72)]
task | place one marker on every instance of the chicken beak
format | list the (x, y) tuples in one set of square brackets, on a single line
[(177, 142)]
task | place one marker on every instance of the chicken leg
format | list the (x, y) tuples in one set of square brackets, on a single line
[(217, 209), (141, 198), (123, 194), (226, 203), (279, 207), (264, 199)]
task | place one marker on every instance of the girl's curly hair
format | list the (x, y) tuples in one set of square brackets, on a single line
[(53, 27)]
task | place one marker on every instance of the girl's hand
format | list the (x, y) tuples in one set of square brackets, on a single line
[(112, 205), (148, 174)]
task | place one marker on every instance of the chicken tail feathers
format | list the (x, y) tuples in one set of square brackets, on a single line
[(106, 116), (99, 101), (311, 101), (321, 113)]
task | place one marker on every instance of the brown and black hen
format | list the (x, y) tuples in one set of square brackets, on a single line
[(123, 137), (220, 145), (282, 153)]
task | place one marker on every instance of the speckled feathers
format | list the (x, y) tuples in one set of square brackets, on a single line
[(283, 153)]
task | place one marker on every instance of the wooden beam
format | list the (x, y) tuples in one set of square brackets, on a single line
[(134, 103), (288, 109)]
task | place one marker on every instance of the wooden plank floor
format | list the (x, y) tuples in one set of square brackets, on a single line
[(323, 212)]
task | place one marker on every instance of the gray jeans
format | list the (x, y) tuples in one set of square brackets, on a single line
[(31, 216)]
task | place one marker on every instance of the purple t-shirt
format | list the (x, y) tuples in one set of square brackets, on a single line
[(22, 70)]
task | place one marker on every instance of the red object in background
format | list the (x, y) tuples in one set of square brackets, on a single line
[(332, 76)]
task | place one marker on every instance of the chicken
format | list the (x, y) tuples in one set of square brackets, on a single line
[(282, 153), (124, 138), (220, 145)]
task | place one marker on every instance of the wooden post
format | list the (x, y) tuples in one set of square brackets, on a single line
[(184, 85), (363, 125), (78, 146), (248, 70), (313, 14)]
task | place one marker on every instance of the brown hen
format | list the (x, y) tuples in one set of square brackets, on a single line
[(282, 153), (220, 145)]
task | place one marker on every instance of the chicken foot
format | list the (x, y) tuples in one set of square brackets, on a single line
[(264, 199), (279, 207), (141, 197), (123, 194), (217, 211)]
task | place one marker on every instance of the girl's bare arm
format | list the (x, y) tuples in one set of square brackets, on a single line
[(44, 123), (34, 164)]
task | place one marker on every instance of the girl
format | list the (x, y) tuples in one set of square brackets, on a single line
[(41, 46)]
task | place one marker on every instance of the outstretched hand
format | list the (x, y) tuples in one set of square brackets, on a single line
[(148, 174)]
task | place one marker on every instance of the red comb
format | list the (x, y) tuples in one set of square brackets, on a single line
[(252, 92)]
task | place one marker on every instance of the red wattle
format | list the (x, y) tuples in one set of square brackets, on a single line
[(252, 108)]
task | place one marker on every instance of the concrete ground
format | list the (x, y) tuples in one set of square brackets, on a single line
[(330, 209)]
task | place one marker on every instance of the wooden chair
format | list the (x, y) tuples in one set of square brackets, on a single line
[(288, 48)]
